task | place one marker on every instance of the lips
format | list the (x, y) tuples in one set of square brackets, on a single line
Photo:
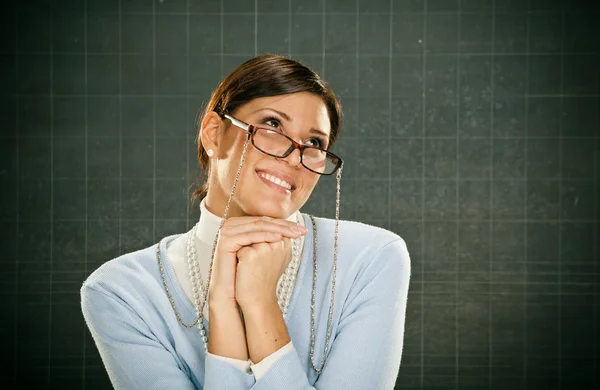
[(279, 175)]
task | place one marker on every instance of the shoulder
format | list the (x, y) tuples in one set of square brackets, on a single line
[(131, 267), (373, 264), (363, 246), (130, 277), (357, 234)]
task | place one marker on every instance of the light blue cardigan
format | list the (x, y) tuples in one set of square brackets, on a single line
[(143, 346)]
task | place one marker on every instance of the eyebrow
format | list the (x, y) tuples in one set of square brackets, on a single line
[(289, 119)]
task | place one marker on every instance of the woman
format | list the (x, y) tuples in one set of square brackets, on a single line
[(294, 302)]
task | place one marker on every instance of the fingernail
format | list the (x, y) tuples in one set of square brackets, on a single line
[(295, 230)]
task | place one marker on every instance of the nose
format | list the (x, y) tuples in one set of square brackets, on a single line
[(293, 158)]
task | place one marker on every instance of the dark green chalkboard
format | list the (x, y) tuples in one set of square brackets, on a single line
[(471, 130)]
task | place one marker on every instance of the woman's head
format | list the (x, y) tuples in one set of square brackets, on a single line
[(269, 91)]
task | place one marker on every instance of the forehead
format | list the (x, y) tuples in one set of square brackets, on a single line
[(306, 110)]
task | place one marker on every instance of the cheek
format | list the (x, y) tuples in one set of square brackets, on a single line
[(236, 155), (253, 156), (310, 181), (227, 168)]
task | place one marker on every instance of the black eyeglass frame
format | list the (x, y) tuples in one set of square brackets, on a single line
[(251, 132)]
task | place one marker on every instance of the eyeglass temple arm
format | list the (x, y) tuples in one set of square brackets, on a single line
[(238, 123)]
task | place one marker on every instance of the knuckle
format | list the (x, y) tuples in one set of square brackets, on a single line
[(257, 222), (225, 230)]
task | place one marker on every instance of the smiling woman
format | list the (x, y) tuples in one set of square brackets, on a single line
[(282, 131), (287, 310)]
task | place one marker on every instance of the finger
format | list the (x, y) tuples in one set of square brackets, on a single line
[(288, 230), (285, 243), (235, 243), (274, 246), (245, 252), (265, 247)]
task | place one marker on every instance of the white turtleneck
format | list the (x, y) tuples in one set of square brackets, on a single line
[(205, 236)]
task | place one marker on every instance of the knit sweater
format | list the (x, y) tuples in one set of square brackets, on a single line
[(143, 346)]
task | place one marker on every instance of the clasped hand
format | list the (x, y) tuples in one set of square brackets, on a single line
[(251, 255)]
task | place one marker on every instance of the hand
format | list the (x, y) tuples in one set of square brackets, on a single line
[(236, 233), (259, 269)]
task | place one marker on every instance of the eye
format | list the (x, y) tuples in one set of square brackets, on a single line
[(271, 121), (316, 142)]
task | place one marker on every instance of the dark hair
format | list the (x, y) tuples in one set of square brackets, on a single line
[(262, 76)]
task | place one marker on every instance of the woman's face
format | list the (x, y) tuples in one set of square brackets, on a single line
[(303, 117)]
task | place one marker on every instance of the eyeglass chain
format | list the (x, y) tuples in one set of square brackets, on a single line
[(204, 291)]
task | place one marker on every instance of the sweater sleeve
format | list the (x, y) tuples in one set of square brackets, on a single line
[(242, 365), (367, 348), (259, 369), (135, 359)]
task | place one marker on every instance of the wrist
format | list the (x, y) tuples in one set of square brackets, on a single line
[(258, 306), (220, 305), (220, 299)]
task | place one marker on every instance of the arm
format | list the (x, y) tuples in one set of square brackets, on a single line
[(266, 330), (227, 336), (135, 359), (367, 349)]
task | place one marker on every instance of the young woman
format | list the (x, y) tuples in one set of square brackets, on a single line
[(257, 295)]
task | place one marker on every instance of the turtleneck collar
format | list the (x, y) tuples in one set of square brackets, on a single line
[(209, 224)]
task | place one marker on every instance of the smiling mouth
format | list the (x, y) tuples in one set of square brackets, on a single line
[(275, 180)]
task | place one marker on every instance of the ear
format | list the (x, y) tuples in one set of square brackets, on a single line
[(211, 131)]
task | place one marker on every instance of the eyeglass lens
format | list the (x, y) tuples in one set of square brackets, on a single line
[(274, 143)]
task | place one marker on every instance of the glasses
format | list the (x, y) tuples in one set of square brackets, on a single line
[(274, 143)]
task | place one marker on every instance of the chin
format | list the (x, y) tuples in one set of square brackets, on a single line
[(266, 208)]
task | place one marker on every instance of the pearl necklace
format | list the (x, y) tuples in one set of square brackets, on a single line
[(284, 290)]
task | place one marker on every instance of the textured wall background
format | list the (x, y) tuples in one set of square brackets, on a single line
[(471, 130)]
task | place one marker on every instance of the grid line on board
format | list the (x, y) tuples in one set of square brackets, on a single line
[(456, 141), (526, 177), (423, 132), (491, 204), (85, 129)]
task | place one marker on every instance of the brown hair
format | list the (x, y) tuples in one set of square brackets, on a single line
[(262, 76)]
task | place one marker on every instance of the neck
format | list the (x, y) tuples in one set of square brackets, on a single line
[(217, 205)]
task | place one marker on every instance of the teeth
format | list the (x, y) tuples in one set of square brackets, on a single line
[(276, 180)]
